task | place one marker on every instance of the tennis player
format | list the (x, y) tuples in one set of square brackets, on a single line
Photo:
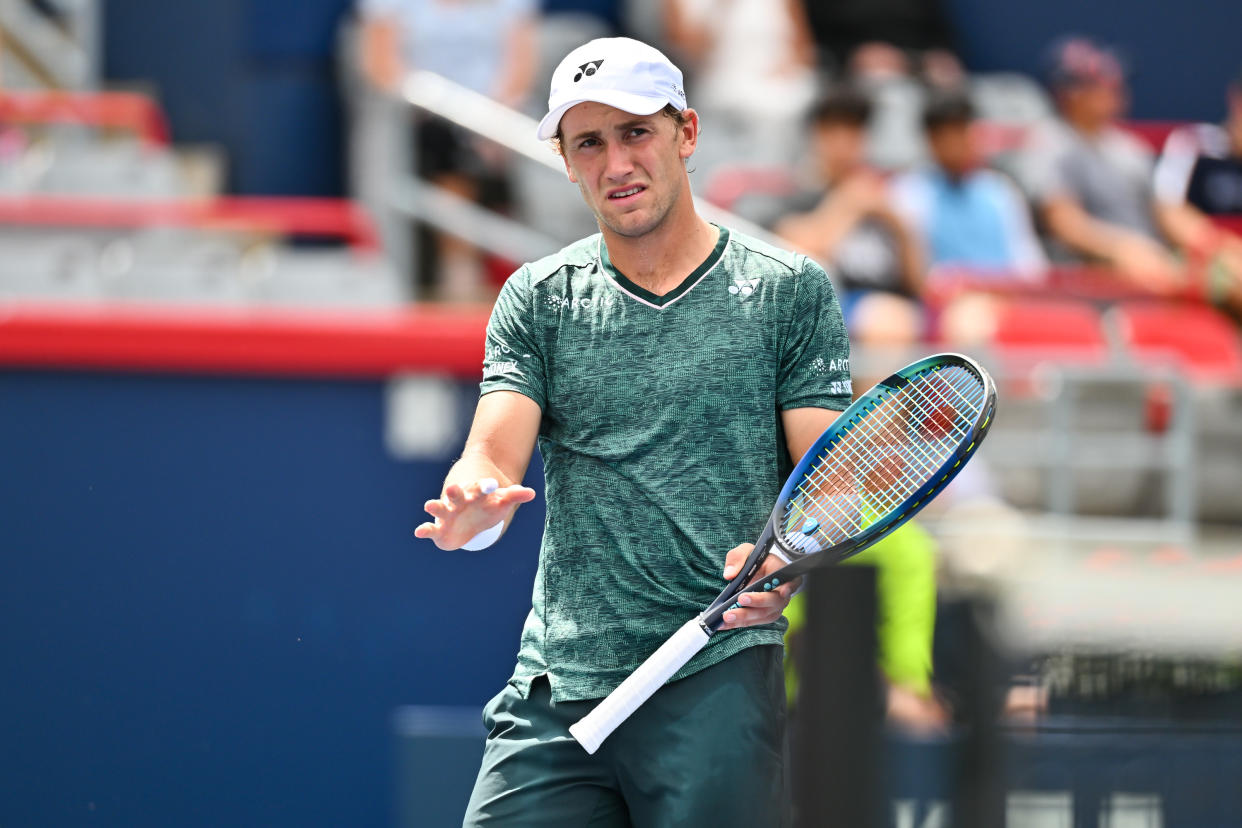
[(669, 369)]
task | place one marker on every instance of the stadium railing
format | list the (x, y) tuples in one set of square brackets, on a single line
[(130, 112)]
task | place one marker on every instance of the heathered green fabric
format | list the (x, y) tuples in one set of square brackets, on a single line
[(661, 440)]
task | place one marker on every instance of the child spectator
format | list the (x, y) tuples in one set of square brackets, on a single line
[(847, 224), (966, 216)]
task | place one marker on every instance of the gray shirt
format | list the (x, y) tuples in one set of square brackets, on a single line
[(1110, 174)]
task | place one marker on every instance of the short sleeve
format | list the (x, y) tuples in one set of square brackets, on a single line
[(815, 358), (1042, 166), (1171, 180), (512, 360)]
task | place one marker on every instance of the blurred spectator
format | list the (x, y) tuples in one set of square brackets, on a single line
[(1200, 175), (750, 75), (1092, 182), (876, 39), (487, 46), (1202, 164), (905, 563), (965, 215), (848, 225)]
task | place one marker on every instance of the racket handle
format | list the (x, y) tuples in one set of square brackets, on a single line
[(593, 728)]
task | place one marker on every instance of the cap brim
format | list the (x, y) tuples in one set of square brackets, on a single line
[(625, 101)]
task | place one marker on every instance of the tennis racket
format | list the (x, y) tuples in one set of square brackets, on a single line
[(883, 459)]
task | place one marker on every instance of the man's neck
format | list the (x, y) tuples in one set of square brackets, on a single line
[(1088, 127), (662, 259)]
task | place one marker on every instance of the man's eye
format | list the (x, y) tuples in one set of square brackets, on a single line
[(638, 131), (587, 143)]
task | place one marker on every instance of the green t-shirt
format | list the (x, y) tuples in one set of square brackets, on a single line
[(661, 440)]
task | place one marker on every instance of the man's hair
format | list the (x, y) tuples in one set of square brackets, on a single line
[(947, 108), (842, 104), (669, 111)]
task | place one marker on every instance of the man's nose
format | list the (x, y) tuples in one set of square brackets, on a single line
[(619, 162)]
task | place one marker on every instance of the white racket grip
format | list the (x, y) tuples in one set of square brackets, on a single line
[(593, 728)]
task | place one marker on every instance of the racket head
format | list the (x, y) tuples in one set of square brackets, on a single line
[(885, 457)]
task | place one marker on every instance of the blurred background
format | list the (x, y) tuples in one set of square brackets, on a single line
[(247, 252)]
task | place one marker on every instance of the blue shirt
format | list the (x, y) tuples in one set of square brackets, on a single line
[(978, 221)]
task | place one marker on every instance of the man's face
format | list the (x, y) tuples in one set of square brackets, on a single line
[(839, 147), (952, 148), (630, 168), (1096, 102)]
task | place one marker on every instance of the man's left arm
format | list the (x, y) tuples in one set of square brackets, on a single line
[(802, 427)]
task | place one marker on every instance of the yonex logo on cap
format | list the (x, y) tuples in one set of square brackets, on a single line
[(587, 69)]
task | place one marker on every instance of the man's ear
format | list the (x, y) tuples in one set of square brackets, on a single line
[(689, 134)]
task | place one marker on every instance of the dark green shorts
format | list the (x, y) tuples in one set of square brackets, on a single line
[(706, 750)]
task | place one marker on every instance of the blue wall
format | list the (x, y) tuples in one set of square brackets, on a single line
[(211, 601), (255, 76), (1182, 54)]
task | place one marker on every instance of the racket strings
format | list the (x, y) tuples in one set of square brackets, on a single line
[(919, 455), (874, 467)]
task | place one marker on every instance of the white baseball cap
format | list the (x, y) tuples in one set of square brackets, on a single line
[(617, 71)]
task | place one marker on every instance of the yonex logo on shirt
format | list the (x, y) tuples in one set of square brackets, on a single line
[(743, 287)]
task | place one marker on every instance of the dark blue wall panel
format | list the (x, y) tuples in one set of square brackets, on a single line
[(1179, 52), (211, 601), (257, 77)]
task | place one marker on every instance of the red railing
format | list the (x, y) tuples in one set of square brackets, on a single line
[(127, 111), (253, 342), (322, 217)]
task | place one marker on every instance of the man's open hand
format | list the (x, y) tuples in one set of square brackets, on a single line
[(464, 511)]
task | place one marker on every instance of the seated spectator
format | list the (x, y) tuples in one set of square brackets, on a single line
[(847, 224), (1199, 175), (751, 78), (1091, 181), (966, 216), (487, 46)]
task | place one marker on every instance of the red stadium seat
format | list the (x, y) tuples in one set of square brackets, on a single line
[(1202, 341), (1051, 328)]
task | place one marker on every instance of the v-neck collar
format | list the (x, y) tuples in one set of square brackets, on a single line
[(645, 296)]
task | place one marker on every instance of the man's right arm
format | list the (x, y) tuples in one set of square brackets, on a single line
[(501, 441)]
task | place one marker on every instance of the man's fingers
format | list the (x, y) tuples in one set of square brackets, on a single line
[(436, 508), (756, 608), (454, 494), (763, 600), (787, 590), (734, 559), (515, 494), (749, 617), (426, 530)]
